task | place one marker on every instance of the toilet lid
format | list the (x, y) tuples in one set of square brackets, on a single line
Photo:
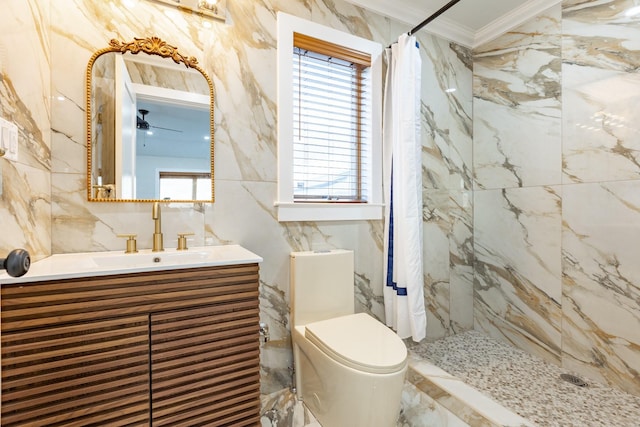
[(359, 341)]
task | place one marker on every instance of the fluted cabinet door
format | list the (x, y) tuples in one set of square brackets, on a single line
[(205, 366), (77, 374)]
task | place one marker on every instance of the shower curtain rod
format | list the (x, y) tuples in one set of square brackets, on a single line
[(440, 11)]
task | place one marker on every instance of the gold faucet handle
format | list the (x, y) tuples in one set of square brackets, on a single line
[(131, 243), (182, 241)]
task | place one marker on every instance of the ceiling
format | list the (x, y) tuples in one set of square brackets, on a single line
[(174, 130), (469, 22)]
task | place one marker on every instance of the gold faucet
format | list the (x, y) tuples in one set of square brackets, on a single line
[(157, 234)]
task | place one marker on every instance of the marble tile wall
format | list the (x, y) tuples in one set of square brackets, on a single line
[(447, 185), (517, 199), (556, 178), (25, 99), (601, 177)]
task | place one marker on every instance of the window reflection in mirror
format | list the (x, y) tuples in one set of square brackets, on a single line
[(176, 184)]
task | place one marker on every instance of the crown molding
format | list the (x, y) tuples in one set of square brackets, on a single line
[(451, 30), (406, 15), (511, 20), (442, 26)]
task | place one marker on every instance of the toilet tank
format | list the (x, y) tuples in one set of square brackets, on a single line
[(322, 285)]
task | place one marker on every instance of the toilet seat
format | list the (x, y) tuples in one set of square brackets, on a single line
[(360, 342)]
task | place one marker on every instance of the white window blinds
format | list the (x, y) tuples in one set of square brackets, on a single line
[(331, 122)]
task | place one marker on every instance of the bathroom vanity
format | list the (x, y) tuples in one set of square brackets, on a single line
[(157, 339)]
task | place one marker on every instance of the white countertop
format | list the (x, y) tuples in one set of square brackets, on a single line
[(69, 266)]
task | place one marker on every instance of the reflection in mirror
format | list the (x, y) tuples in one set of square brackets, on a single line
[(149, 125), (177, 171)]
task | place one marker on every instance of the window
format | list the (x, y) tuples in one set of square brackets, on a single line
[(330, 90), (185, 185), (329, 102)]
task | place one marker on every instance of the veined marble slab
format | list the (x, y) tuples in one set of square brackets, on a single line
[(601, 282), (447, 148), (25, 100), (601, 146), (518, 270), (517, 106), (601, 91)]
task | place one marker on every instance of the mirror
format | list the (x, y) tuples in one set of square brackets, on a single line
[(149, 125)]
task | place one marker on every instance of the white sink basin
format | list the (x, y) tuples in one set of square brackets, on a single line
[(120, 260)]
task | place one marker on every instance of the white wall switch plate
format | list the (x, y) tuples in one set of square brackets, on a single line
[(9, 139)]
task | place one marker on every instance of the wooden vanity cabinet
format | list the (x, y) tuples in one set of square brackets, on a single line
[(174, 347)]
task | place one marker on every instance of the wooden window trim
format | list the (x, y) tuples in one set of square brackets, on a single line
[(360, 61), (330, 49)]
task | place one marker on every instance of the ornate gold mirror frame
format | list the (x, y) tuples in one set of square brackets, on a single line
[(151, 46)]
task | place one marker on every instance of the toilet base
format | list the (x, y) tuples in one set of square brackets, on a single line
[(338, 395)]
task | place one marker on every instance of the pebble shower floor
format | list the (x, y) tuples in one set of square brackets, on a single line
[(528, 385)]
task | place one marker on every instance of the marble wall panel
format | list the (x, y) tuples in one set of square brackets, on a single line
[(26, 212), (435, 247), (516, 126), (243, 62), (25, 100), (76, 228), (346, 17), (517, 268), (601, 285), (600, 137), (517, 198), (448, 262), (368, 264), (447, 163), (461, 259), (446, 113), (601, 91)]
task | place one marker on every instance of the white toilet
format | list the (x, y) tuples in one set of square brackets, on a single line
[(349, 368)]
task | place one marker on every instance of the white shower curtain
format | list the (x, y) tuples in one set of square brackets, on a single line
[(403, 290)]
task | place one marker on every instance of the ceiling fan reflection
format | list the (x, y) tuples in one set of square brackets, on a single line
[(143, 124)]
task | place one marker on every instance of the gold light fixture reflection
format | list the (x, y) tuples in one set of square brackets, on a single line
[(209, 4), (211, 8)]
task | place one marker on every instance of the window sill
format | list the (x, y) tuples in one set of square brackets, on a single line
[(328, 211)]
